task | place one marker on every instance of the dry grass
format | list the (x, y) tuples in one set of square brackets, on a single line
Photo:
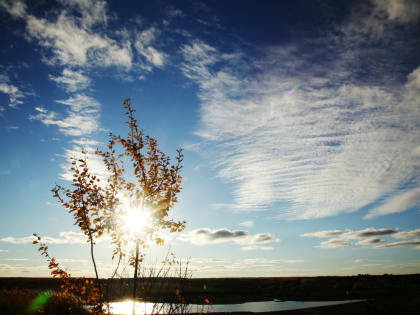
[(26, 301)]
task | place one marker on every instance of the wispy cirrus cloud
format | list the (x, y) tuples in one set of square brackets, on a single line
[(205, 236), (82, 113), (76, 34), (94, 162), (143, 45), (72, 81), (14, 93), (400, 202), (72, 38), (310, 139)]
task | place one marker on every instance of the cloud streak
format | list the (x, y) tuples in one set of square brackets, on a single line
[(72, 81), (400, 244), (82, 114), (323, 234), (65, 238), (334, 243), (339, 142), (206, 236), (398, 203), (407, 234), (365, 237)]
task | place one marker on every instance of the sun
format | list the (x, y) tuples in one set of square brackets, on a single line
[(135, 218)]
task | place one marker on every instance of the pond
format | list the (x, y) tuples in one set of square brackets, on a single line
[(125, 307)]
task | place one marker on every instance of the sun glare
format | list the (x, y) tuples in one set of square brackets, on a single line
[(136, 220)]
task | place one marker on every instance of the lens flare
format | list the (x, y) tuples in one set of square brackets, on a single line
[(40, 301)]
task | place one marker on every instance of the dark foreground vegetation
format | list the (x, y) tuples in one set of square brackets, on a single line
[(385, 294)]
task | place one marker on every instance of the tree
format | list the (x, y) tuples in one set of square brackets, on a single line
[(100, 206), (154, 192)]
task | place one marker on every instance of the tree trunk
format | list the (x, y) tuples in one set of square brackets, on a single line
[(135, 276)]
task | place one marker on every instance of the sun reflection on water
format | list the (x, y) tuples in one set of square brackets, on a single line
[(126, 308)]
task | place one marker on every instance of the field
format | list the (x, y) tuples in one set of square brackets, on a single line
[(386, 294)]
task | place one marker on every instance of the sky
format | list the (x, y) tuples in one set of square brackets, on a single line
[(299, 120)]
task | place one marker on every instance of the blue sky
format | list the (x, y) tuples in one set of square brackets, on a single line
[(300, 122)]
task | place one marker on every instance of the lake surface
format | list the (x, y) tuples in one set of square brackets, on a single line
[(125, 307)]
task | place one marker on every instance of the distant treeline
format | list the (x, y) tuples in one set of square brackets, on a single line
[(231, 290)]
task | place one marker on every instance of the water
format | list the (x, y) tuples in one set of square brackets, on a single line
[(125, 307)]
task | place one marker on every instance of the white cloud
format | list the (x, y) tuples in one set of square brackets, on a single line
[(400, 244), (71, 80), (71, 260), (72, 38), (76, 35), (205, 260), (205, 236), (247, 223), (65, 238), (16, 8), (366, 236), (293, 261), (15, 95), (263, 238), (369, 232), (254, 267), (348, 234), (400, 202), (76, 46), (94, 162), (73, 237), (17, 240), (370, 241), (323, 234), (334, 243), (144, 48), (4, 251), (82, 116), (403, 11), (407, 234), (382, 18), (93, 12), (334, 145), (256, 247)]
